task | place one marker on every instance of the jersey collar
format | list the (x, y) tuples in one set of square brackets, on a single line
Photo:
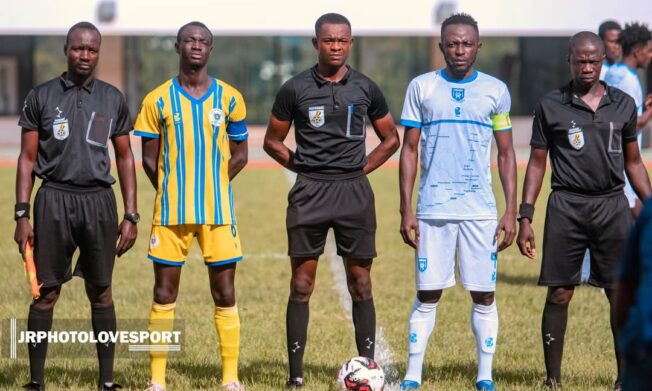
[(321, 81), (567, 94), (469, 79), (67, 83)]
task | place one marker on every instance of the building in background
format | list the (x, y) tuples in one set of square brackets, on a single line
[(259, 44)]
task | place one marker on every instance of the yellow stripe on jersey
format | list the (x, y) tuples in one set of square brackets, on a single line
[(501, 122), (193, 176)]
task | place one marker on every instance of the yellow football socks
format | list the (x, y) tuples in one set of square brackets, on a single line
[(227, 324), (161, 318)]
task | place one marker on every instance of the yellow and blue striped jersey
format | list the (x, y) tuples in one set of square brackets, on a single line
[(193, 177)]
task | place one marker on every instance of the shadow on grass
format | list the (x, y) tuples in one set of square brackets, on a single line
[(518, 280)]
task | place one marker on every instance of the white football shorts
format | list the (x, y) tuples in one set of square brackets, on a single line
[(473, 243)]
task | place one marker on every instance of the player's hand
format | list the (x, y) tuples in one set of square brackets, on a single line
[(648, 102), (506, 224), (410, 229), (23, 234), (126, 237), (525, 239)]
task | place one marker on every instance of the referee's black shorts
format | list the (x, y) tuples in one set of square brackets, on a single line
[(576, 222), (344, 203), (67, 218)]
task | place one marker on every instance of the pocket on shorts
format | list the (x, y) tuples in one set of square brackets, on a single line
[(99, 129), (356, 123)]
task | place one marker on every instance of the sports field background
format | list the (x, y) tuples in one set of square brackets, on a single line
[(262, 284)]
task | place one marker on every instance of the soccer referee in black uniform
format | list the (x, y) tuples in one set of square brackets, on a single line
[(329, 105), (589, 129), (67, 123)]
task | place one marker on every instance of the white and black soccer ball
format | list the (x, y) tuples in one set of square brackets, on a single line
[(360, 374)]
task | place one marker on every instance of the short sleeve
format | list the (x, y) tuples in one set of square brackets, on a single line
[(411, 115), (378, 106), (539, 131), (236, 127), (123, 122), (500, 120), (148, 122), (629, 129), (285, 103), (30, 117)]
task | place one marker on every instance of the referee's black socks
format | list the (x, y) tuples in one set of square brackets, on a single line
[(296, 323), (553, 329), (38, 320), (364, 322), (103, 319)]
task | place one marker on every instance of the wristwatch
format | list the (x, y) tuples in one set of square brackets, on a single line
[(133, 217)]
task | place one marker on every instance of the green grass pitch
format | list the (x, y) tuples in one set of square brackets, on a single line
[(262, 284)]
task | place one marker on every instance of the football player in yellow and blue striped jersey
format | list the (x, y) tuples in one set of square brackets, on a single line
[(194, 142)]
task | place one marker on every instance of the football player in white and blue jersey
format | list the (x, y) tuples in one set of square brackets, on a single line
[(609, 31), (454, 113), (636, 41)]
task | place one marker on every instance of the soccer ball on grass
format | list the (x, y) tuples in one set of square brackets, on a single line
[(360, 374)]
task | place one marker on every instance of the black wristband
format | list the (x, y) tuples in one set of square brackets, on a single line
[(525, 211), (21, 210)]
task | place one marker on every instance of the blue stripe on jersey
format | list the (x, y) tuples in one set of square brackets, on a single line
[(216, 210), (197, 144), (231, 204), (140, 133), (232, 104), (181, 156), (457, 121), (218, 166), (202, 163), (165, 197), (410, 124)]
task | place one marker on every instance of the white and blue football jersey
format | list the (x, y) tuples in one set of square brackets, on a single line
[(604, 69), (626, 79), (457, 119)]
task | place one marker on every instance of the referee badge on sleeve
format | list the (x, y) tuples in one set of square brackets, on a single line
[(317, 116), (576, 136)]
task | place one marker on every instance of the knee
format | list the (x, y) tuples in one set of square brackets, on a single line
[(431, 297), (165, 293), (48, 299), (301, 288), (224, 296), (360, 287), (559, 296), (99, 297), (483, 298)]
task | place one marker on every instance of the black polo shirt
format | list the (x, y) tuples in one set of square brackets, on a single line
[(75, 124), (330, 119), (586, 147)]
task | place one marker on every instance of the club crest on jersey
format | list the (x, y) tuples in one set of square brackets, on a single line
[(422, 263), (576, 136), (216, 116), (457, 94), (60, 127), (317, 116)]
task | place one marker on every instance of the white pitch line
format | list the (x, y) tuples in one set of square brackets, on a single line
[(383, 352)]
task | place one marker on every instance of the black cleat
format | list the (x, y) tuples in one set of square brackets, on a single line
[(109, 387), (296, 382), (34, 386)]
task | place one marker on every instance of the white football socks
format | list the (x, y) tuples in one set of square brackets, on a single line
[(420, 326), (484, 322)]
